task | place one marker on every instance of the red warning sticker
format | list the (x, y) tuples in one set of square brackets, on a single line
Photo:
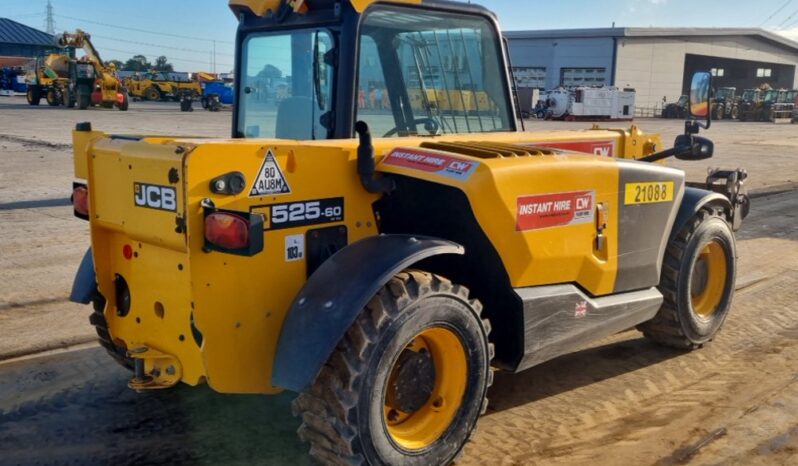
[(554, 210)]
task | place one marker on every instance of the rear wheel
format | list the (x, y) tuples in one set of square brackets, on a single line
[(697, 282), (34, 95), (406, 384), (152, 93), (97, 319), (735, 113), (52, 98), (84, 100)]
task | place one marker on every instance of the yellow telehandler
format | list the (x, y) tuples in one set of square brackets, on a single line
[(384, 279), (159, 86), (94, 83)]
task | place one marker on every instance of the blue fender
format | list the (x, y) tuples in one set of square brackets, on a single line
[(84, 286), (694, 200), (334, 296)]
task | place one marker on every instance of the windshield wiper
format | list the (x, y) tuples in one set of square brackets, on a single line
[(317, 73)]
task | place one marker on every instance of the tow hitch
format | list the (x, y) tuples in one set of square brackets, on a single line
[(153, 369), (730, 183)]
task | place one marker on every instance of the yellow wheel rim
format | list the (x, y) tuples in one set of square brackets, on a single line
[(709, 279), (419, 429)]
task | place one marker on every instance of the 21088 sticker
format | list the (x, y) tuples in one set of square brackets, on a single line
[(648, 193)]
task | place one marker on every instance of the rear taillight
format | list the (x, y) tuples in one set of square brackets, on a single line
[(80, 200), (233, 232), (228, 231)]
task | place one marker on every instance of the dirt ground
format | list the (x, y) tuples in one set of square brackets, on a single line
[(620, 401)]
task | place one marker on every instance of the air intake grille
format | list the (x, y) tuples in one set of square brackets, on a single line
[(487, 150)]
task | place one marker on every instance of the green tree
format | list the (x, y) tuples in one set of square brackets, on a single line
[(137, 63), (161, 64), (270, 72)]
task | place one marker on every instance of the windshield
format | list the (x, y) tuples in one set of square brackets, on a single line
[(724, 93), (749, 94), (428, 73), (286, 85), (770, 96), (682, 100)]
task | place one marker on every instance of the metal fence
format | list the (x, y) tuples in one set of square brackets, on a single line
[(648, 111)]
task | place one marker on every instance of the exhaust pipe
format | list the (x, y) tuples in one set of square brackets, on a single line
[(365, 163)]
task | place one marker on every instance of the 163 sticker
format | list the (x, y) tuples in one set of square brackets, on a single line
[(554, 210), (294, 247)]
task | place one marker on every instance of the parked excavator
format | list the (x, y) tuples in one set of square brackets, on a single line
[(94, 83)]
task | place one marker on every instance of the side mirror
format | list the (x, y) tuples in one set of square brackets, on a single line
[(692, 147), (699, 97)]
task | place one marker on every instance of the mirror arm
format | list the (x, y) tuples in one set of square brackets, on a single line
[(664, 154)]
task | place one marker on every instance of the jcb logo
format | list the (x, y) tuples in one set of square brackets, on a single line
[(155, 197)]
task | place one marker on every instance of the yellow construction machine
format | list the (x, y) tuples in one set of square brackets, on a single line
[(157, 85), (384, 279), (50, 79), (94, 83)]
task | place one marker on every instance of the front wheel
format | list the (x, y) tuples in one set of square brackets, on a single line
[(697, 282), (408, 381), (123, 105), (33, 94)]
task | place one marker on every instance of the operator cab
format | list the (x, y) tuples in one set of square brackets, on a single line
[(404, 70)]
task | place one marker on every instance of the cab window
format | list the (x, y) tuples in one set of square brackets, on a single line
[(430, 73)]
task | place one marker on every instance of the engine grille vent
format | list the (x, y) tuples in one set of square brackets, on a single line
[(487, 150)]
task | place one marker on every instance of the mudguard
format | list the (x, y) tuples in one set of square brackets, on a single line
[(694, 199), (334, 296), (85, 284)]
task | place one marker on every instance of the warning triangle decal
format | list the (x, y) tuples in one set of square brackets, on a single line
[(270, 179)]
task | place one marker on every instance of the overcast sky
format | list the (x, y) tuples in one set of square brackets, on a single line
[(185, 31)]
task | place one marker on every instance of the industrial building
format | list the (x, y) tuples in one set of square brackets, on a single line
[(656, 62), (18, 40)]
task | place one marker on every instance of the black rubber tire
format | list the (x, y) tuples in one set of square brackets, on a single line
[(33, 95), (735, 113), (342, 413), (69, 98), (97, 319), (152, 94), (52, 98), (84, 100), (677, 324), (125, 102)]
